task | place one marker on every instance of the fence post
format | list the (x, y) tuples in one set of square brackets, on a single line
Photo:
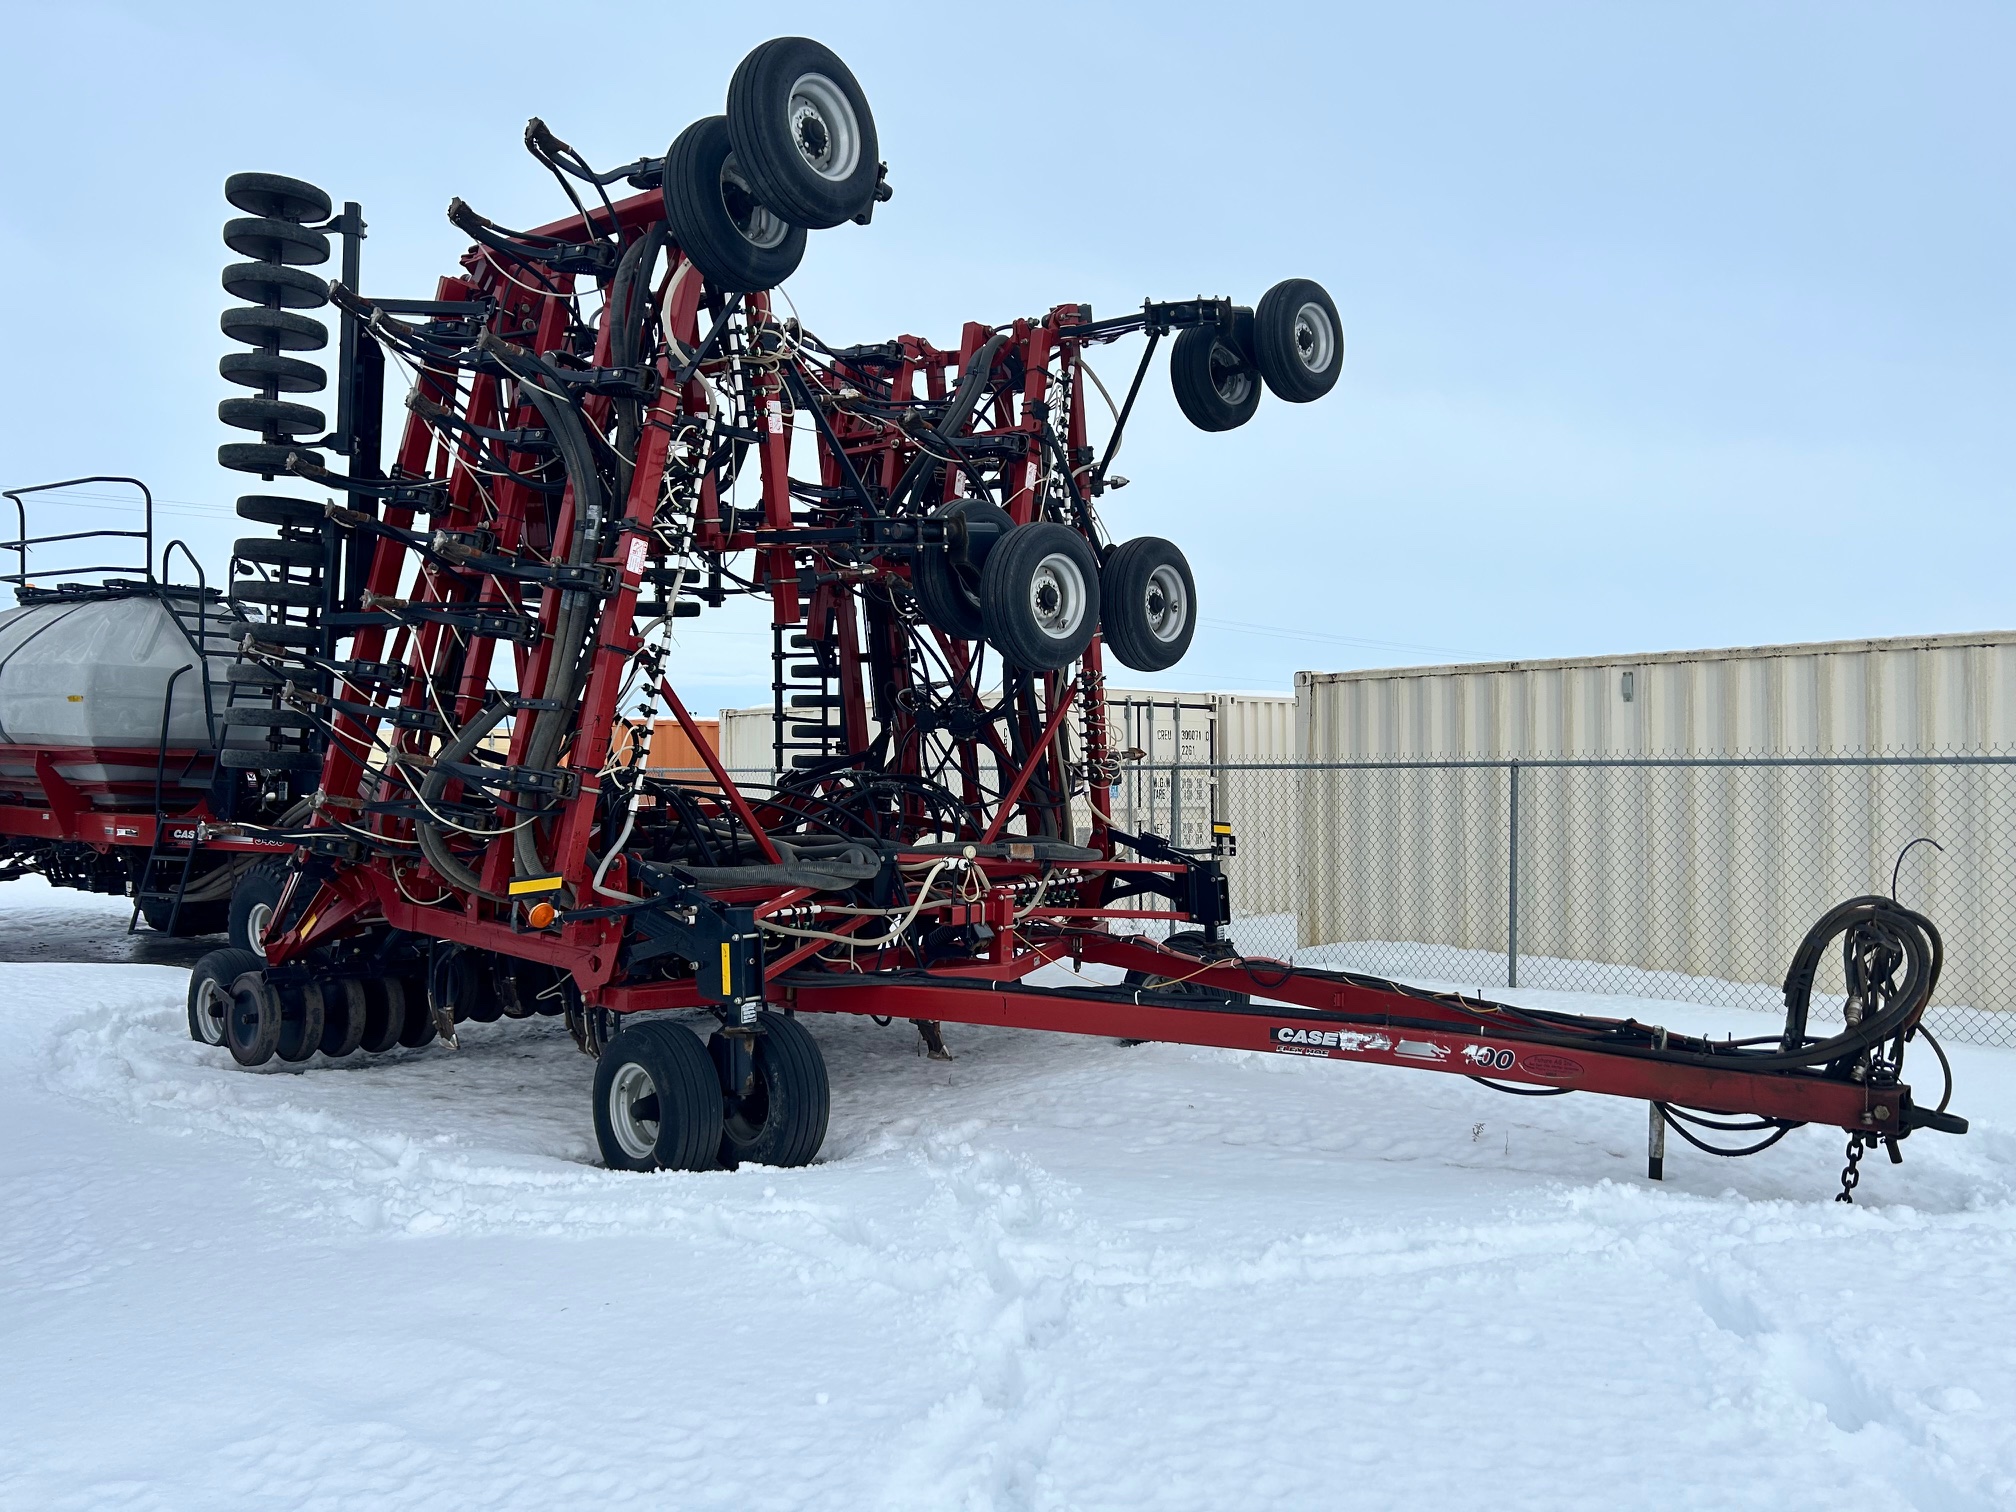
[(1512, 886)]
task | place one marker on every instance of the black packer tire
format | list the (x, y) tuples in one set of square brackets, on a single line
[(418, 1027), (1039, 596), (278, 551), (271, 591), (252, 1018), (345, 1012), (263, 370), (277, 196), (1298, 341), (276, 509), (782, 1121), (301, 1020), (1147, 603), (285, 288), (739, 243), (947, 580), (209, 990), (1217, 385), (657, 1100), (384, 1014), (252, 903), (802, 128)]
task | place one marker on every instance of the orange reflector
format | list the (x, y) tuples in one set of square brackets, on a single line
[(540, 915)]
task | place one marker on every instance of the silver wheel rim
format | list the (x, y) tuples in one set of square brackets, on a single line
[(823, 127), (630, 1086), (1057, 596), (257, 917), (211, 1004), (1315, 337), (1167, 606), (753, 220), (1230, 375)]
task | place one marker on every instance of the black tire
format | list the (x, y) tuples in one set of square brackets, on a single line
[(657, 1101), (275, 416), (270, 283), (278, 551), (384, 1014), (190, 920), (947, 581), (345, 1013), (268, 459), (301, 1021), (1298, 341), (265, 239), (276, 196), (209, 987), (1039, 596), (252, 674), (242, 759), (1217, 386), (419, 1027), (252, 1019), (782, 1120), (267, 591), (1147, 603), (268, 719), (257, 326), (519, 983), (264, 370), (1190, 942), (801, 126), (275, 509), (252, 903), (274, 634), (735, 240)]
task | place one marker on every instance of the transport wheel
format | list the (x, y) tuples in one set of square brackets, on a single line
[(210, 991), (801, 126), (417, 1026), (384, 1014), (345, 1012), (252, 1018), (947, 582), (1190, 942), (1039, 595), (779, 1118), (657, 1101), (1147, 603), (190, 920), (252, 903), (1298, 341), (301, 1020), (719, 221), (1216, 384)]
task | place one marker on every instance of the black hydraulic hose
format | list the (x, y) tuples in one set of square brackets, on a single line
[(432, 791)]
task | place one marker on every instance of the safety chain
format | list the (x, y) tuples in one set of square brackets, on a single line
[(1851, 1173)]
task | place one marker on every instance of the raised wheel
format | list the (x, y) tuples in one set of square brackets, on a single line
[(277, 196), (1039, 595), (275, 509), (210, 991), (265, 239), (947, 582), (267, 591), (301, 1021), (272, 284), (1147, 603), (657, 1101), (801, 126), (719, 220), (1298, 341), (345, 1013), (1216, 384), (258, 326), (384, 1013), (252, 1018), (271, 416), (252, 903), (776, 1115), (284, 375), (278, 551)]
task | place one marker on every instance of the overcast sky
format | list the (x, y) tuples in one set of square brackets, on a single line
[(1668, 326)]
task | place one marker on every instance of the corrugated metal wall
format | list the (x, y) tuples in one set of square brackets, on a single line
[(1634, 866)]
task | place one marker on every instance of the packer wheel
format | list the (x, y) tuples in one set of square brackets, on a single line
[(302, 1019), (345, 1013), (252, 1019), (384, 1014)]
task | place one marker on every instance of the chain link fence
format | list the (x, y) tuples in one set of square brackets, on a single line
[(1686, 878)]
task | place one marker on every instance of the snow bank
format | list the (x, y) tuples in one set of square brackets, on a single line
[(1054, 1273)]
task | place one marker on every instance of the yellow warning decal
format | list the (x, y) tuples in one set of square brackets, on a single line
[(1218, 827), (520, 886), (727, 971)]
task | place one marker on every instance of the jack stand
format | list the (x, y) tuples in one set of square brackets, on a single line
[(1655, 1137)]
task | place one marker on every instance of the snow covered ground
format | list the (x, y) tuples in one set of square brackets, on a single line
[(1054, 1273)]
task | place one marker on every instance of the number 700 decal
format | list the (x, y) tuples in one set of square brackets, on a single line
[(1485, 1058)]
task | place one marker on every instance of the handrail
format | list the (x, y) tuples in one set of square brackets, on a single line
[(200, 643), (22, 541)]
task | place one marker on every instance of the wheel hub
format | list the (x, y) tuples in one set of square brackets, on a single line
[(1315, 339), (823, 127), (1057, 596), (634, 1111), (752, 218)]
